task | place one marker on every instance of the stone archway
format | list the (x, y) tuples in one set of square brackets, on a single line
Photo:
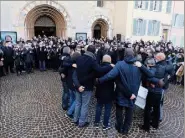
[(103, 26), (44, 25), (35, 9), (103, 21)]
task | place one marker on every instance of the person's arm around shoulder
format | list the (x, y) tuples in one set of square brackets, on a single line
[(147, 72), (110, 75), (100, 69)]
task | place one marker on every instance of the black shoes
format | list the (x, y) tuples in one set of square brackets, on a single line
[(143, 128), (121, 131)]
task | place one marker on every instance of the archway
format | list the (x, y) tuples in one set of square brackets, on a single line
[(97, 31), (49, 13), (100, 29), (44, 25)]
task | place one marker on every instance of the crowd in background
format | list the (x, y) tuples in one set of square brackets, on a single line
[(79, 63), (44, 53)]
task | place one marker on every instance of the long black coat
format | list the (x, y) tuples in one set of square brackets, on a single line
[(8, 54), (41, 54), (105, 91)]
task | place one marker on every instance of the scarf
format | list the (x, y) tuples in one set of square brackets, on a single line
[(90, 54)]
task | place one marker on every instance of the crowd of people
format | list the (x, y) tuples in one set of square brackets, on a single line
[(113, 69)]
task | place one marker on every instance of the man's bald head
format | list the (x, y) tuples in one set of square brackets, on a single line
[(160, 56), (106, 58)]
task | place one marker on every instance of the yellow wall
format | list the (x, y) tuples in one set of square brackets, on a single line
[(120, 18)]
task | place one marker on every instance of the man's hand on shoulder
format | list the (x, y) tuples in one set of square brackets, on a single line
[(81, 88), (138, 64), (112, 65)]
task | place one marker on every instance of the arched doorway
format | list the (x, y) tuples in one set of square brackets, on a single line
[(44, 25), (99, 29), (44, 17)]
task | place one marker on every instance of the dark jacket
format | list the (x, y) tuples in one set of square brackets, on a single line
[(160, 71), (87, 65), (28, 56), (19, 58), (8, 54), (128, 82), (105, 91), (70, 79), (65, 65), (42, 54)]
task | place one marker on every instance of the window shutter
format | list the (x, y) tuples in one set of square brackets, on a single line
[(169, 6), (178, 20), (182, 20), (135, 27), (149, 27), (173, 39), (173, 19), (99, 3), (146, 5), (143, 31), (158, 28), (136, 4), (151, 5), (160, 6)]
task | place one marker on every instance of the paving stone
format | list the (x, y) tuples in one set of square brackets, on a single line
[(31, 107)]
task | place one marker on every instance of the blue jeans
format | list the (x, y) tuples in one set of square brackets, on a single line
[(72, 102), (65, 95), (81, 107), (107, 113), (161, 106), (42, 65)]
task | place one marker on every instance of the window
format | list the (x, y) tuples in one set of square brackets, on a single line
[(99, 3), (178, 20), (173, 40), (139, 27), (141, 4), (153, 28), (156, 5), (169, 6)]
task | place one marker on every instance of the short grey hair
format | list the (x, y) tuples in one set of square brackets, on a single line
[(66, 50)]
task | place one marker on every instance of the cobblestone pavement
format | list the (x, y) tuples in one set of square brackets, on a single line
[(31, 107)]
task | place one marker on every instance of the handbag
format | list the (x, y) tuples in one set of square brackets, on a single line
[(180, 71)]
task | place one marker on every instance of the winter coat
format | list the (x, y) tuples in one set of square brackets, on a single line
[(87, 66), (41, 54), (128, 80), (105, 91)]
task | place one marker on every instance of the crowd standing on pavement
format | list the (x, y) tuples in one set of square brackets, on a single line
[(114, 69)]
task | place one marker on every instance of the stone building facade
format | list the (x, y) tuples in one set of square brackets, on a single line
[(149, 20)]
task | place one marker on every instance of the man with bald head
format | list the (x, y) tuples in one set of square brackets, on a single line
[(155, 94), (106, 50), (104, 95)]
